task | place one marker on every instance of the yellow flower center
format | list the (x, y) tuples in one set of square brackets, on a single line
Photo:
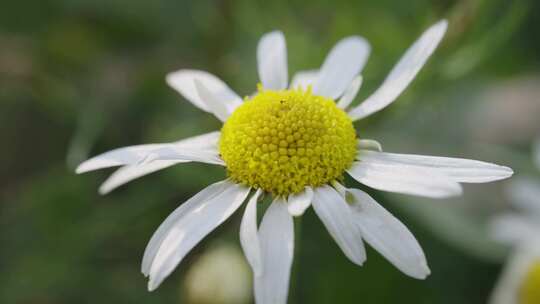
[(529, 292), (283, 141)]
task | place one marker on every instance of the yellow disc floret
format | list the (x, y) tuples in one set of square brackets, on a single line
[(529, 293), (283, 141)]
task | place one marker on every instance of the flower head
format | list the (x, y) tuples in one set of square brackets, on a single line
[(295, 143), (284, 141)]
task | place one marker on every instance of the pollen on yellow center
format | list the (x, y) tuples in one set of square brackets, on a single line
[(529, 292), (283, 141)]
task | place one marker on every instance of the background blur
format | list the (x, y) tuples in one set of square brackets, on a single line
[(79, 77)]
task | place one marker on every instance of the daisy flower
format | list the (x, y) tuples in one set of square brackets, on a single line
[(520, 280), (295, 142)]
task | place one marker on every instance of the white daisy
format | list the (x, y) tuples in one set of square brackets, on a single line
[(295, 143), (520, 280)]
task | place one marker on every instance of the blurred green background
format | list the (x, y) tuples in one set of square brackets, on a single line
[(79, 77)]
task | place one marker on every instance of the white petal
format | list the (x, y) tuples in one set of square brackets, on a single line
[(190, 227), (299, 202), (131, 172), (350, 93), (128, 173), (388, 235), (457, 169), (369, 144), (343, 63), (304, 79), (157, 238), (249, 238), (404, 179), (525, 194), (512, 229), (205, 141), (118, 157), (276, 235), (514, 273), (335, 214), (214, 102), (183, 81), (172, 152), (272, 61), (200, 148), (403, 72)]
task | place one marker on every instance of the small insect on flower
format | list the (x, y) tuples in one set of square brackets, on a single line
[(520, 281), (295, 143)]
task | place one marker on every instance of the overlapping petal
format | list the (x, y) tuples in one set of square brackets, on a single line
[(183, 81), (335, 214), (186, 150), (128, 173), (213, 101), (157, 238), (344, 62), (350, 93), (188, 225), (387, 235), (249, 237)]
